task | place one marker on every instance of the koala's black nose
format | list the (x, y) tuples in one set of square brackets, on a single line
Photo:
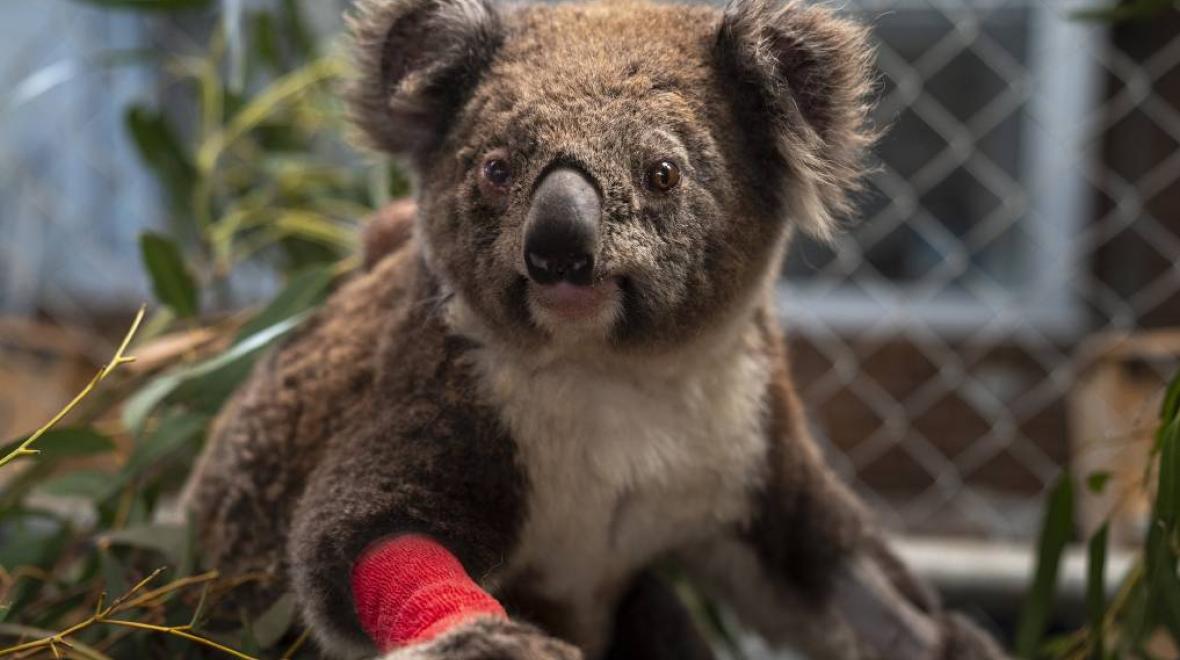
[(561, 232)]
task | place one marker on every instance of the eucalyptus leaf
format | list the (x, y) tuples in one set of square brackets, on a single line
[(1055, 534), (173, 432), (209, 391), (264, 38), (1097, 481), (171, 281), (302, 39), (1162, 583), (161, 148), (1167, 501), (141, 404), (1136, 624), (1096, 590), (272, 624), (306, 289), (315, 228), (41, 539), (66, 443), (91, 484), (18, 485), (171, 541), (1132, 10), (114, 573), (1170, 409)]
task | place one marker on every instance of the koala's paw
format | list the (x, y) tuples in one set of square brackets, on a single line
[(490, 639)]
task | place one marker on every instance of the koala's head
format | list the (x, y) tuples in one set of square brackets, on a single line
[(615, 172)]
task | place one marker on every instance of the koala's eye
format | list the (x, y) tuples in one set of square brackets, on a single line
[(498, 172), (663, 176)]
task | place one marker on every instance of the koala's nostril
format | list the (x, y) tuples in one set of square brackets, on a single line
[(575, 268), (561, 232)]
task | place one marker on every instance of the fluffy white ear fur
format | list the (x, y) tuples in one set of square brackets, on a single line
[(415, 61), (808, 74)]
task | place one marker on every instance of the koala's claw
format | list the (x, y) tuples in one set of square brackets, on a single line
[(490, 639)]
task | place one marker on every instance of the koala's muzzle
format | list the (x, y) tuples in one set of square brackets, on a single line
[(561, 231)]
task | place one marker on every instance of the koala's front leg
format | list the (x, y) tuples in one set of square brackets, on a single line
[(409, 512), (809, 570), (389, 547)]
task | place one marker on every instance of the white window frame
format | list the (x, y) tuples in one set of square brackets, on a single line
[(1067, 89)]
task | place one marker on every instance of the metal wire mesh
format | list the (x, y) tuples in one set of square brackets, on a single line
[(1030, 168), (1025, 198)]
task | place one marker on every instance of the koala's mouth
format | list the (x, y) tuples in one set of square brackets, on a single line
[(564, 301)]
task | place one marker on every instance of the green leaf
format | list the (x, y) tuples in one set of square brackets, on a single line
[(173, 433), (162, 150), (198, 617), (1096, 590), (66, 443), (141, 404), (1059, 647), (1055, 534), (171, 280), (272, 624), (1162, 583), (1170, 409), (1135, 625), (18, 485), (1126, 11), (1096, 482), (306, 289), (36, 539), (1167, 501), (171, 541), (91, 484), (31, 539), (114, 574), (301, 37), (314, 228), (264, 38)]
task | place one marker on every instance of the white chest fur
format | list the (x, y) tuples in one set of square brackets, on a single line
[(625, 462)]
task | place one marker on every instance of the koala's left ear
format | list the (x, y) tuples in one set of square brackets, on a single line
[(805, 82), (417, 60)]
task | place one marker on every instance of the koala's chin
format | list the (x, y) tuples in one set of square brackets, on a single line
[(570, 313)]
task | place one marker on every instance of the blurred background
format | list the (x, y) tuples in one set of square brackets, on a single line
[(1005, 310)]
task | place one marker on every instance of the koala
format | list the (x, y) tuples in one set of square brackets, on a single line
[(563, 363)]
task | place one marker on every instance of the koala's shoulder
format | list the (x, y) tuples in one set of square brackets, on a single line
[(387, 232), (275, 429), (336, 349)]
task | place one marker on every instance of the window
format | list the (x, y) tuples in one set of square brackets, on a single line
[(966, 227)]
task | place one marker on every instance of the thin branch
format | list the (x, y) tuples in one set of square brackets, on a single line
[(179, 631), (168, 589), (132, 599), (25, 448), (296, 645)]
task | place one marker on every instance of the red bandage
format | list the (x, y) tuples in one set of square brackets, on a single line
[(410, 589)]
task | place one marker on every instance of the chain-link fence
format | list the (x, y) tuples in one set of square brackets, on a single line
[(1026, 199)]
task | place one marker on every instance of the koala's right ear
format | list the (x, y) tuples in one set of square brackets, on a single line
[(804, 78), (416, 62)]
